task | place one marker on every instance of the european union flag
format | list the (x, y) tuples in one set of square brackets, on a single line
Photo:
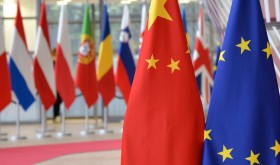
[(243, 126)]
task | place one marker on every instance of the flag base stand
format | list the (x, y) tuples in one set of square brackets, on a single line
[(43, 133), (17, 136), (63, 132), (105, 124), (87, 130)]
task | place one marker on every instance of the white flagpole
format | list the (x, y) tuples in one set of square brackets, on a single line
[(17, 136), (63, 132), (43, 133), (105, 130), (87, 131), (2, 134)]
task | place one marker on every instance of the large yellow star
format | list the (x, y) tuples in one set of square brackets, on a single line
[(267, 50), (276, 148), (157, 9), (152, 62), (174, 65), (244, 45), (207, 134), (221, 58), (253, 158), (226, 153)]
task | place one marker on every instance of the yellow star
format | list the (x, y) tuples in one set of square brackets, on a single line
[(188, 52), (244, 45), (267, 50), (253, 158), (174, 65), (214, 68), (226, 153), (207, 134), (157, 9), (152, 62), (276, 148), (222, 56)]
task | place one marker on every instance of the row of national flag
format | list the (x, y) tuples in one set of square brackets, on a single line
[(164, 122), (26, 76)]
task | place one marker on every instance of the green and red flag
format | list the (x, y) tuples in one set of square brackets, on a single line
[(86, 74), (164, 122)]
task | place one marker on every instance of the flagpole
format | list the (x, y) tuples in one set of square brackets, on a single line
[(87, 131), (2, 134), (63, 132), (43, 133), (17, 136), (105, 123)]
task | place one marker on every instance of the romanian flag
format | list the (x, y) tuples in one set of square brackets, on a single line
[(5, 81), (86, 75), (243, 124), (105, 74), (126, 65), (164, 121), (43, 63), (64, 75), (20, 65)]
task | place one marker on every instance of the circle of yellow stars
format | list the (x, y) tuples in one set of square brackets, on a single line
[(253, 158), (244, 46)]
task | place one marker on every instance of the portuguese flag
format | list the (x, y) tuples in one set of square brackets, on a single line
[(86, 74)]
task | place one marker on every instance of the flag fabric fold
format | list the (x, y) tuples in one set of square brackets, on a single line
[(201, 61), (86, 74), (64, 74), (105, 74), (5, 80), (244, 116), (20, 65), (43, 63), (125, 65), (164, 120)]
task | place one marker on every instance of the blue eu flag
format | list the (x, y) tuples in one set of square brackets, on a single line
[(243, 125)]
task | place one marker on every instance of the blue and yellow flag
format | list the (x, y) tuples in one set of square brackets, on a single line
[(243, 125)]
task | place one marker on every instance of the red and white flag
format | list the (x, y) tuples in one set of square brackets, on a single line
[(64, 74), (201, 61), (5, 82), (43, 64)]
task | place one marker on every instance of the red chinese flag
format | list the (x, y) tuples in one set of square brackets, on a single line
[(164, 123)]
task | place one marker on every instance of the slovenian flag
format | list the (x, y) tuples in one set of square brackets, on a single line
[(43, 64), (64, 75), (5, 82), (126, 66), (21, 65), (105, 75)]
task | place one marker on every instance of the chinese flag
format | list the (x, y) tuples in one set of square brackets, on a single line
[(164, 122)]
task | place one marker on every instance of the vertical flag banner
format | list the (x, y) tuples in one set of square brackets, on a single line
[(164, 120), (185, 23), (86, 74), (244, 117), (43, 63), (64, 75), (215, 66), (143, 23), (126, 65), (105, 74), (201, 61), (5, 81), (21, 65)]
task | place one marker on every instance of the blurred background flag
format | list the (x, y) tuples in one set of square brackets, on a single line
[(215, 66), (201, 61), (5, 81), (20, 65), (43, 63), (244, 117), (86, 74), (126, 65), (164, 120), (185, 23), (143, 23), (105, 74), (64, 75)]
